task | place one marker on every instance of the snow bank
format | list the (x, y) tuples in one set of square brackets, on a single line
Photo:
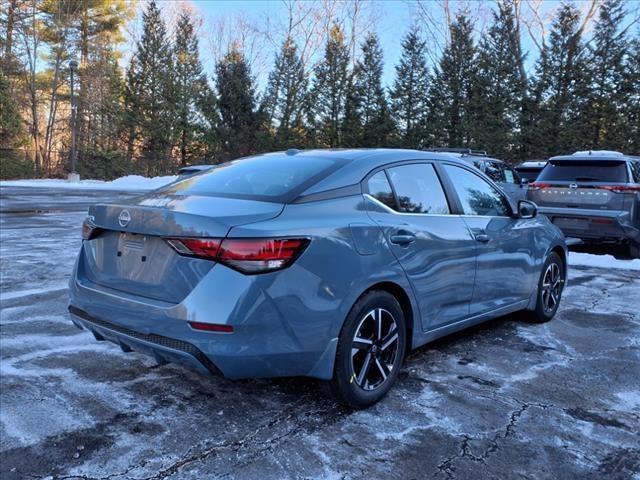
[(130, 182), (602, 261)]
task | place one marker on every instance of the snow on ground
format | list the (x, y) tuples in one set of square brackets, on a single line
[(602, 261), (130, 182)]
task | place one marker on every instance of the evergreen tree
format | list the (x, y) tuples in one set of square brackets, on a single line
[(602, 120), (352, 125), (330, 90), (409, 99), (238, 126), (631, 91), (150, 95), (286, 98), (497, 89), (10, 121), (559, 90), (451, 116), (367, 119), (194, 99)]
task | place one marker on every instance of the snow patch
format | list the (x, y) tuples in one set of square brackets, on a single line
[(602, 261), (128, 183)]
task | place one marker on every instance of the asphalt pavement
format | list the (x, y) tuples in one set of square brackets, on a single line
[(507, 399)]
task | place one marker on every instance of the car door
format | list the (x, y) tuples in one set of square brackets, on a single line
[(505, 257), (434, 246)]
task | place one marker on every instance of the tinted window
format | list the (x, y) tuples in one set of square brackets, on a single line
[(529, 174), (635, 170), (418, 189), (494, 171), (380, 189), (477, 196), (265, 177), (584, 171)]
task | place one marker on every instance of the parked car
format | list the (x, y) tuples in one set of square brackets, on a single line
[(326, 264), (593, 196), (497, 170), (192, 170), (529, 171)]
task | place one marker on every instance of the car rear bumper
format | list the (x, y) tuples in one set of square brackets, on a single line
[(590, 224)]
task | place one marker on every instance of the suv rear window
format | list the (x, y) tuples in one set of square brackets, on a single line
[(267, 178), (584, 171)]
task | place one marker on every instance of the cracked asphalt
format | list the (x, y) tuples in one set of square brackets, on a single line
[(507, 399)]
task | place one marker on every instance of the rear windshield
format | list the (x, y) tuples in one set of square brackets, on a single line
[(584, 171), (268, 178)]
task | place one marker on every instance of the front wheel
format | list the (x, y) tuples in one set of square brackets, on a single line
[(370, 350), (550, 288)]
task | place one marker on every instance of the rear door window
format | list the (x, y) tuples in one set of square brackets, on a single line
[(379, 188), (477, 196), (511, 175), (635, 171), (584, 171), (418, 189), (495, 171)]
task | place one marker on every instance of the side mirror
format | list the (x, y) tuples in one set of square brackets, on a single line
[(527, 209), (524, 181)]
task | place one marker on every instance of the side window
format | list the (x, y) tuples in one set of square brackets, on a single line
[(477, 196), (511, 175), (495, 171), (380, 189), (418, 189), (635, 170)]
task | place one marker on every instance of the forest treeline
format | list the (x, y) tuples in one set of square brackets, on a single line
[(164, 110)]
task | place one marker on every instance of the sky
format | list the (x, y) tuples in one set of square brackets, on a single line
[(391, 19)]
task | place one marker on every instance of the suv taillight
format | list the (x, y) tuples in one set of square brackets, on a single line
[(538, 185), (247, 255), (620, 188)]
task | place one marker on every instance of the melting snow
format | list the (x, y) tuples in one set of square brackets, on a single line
[(602, 261), (130, 182)]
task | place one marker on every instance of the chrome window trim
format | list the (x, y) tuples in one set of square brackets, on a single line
[(391, 210)]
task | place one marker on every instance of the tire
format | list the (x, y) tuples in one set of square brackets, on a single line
[(634, 250), (550, 288), (362, 379)]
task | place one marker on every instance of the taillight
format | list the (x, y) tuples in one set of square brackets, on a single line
[(89, 229), (538, 185), (620, 188), (247, 255), (211, 327)]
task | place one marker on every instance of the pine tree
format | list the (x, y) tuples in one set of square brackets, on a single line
[(10, 122), (367, 117), (560, 88), (150, 95), (497, 89), (330, 90), (409, 93), (601, 119), (286, 98), (193, 98), (451, 116), (238, 126), (631, 91)]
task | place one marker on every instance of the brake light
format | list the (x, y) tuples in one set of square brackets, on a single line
[(247, 255), (620, 188), (538, 185)]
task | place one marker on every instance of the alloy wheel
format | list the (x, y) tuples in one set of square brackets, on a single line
[(374, 349), (551, 287)]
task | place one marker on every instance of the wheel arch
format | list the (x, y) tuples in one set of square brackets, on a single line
[(400, 294)]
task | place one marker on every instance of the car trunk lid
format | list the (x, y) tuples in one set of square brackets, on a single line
[(129, 252)]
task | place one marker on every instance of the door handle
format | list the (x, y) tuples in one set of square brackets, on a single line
[(481, 237), (403, 238)]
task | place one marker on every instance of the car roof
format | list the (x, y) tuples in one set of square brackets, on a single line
[(532, 164), (600, 155), (360, 161)]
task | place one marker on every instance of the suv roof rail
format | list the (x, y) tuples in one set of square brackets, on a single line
[(463, 151), (601, 153)]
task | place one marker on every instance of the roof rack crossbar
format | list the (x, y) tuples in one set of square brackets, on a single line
[(463, 151)]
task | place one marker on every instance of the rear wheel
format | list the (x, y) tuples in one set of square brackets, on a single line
[(370, 350), (634, 250), (550, 288)]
